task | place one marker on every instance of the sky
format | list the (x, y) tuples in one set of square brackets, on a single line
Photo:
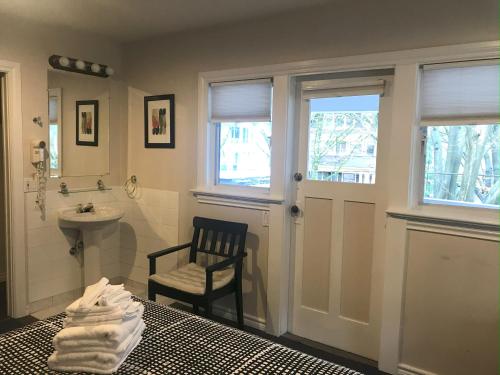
[(346, 103)]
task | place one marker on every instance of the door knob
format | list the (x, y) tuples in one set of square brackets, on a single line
[(294, 210), (297, 176)]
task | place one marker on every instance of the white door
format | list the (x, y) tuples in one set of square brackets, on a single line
[(339, 227)]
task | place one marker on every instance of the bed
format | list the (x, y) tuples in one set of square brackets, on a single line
[(174, 342)]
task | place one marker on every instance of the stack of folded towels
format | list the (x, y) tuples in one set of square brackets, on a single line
[(101, 329)]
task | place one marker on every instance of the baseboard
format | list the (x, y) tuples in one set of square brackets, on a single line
[(250, 320), (404, 369), (3, 277)]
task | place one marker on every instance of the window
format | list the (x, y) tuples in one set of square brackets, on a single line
[(339, 126), (460, 128), (241, 114), (340, 148), (55, 130), (235, 133), (245, 135)]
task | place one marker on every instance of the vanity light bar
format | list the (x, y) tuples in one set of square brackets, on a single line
[(80, 66)]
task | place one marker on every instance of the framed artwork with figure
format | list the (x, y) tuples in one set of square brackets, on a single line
[(87, 123), (159, 121)]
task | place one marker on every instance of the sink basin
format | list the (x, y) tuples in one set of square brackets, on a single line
[(91, 225), (101, 215)]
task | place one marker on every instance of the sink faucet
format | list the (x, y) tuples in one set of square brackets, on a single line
[(89, 207), (100, 184)]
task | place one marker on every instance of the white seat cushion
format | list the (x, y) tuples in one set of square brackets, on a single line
[(191, 278)]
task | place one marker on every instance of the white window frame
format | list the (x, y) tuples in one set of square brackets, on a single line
[(441, 208), (234, 195)]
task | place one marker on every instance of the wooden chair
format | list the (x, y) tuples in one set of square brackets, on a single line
[(198, 285)]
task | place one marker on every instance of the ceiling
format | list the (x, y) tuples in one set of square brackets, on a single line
[(130, 20)]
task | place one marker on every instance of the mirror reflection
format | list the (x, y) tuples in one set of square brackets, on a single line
[(79, 118)]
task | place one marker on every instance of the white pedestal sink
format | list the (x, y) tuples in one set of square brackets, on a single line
[(91, 225)]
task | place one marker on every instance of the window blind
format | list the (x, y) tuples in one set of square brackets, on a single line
[(461, 93), (53, 111), (343, 87), (241, 101)]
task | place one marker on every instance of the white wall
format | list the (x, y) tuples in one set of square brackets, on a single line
[(150, 224), (450, 323), (31, 45)]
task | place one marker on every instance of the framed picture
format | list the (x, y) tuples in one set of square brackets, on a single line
[(87, 123), (159, 121)]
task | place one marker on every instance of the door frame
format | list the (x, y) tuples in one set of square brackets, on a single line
[(16, 233)]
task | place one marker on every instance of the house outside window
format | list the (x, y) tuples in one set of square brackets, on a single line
[(339, 129)]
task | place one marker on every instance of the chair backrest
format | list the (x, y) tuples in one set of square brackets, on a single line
[(217, 237)]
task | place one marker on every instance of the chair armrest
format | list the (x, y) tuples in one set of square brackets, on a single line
[(152, 257), (168, 251), (209, 271), (223, 264)]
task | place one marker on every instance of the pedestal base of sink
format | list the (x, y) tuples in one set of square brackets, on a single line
[(92, 272)]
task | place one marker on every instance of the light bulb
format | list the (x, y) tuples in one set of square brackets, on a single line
[(109, 71), (96, 68), (63, 61), (80, 65)]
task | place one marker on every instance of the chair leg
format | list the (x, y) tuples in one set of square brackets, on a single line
[(196, 310), (151, 294), (239, 304)]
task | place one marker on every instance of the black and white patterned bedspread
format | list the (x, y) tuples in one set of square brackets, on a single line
[(174, 342)]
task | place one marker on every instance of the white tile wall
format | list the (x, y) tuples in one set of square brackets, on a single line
[(150, 224)]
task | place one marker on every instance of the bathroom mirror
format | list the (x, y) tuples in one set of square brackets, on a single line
[(79, 120)]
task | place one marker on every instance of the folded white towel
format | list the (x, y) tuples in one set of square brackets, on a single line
[(93, 362), (75, 310), (82, 320), (92, 293), (113, 333), (104, 346), (115, 318), (114, 298)]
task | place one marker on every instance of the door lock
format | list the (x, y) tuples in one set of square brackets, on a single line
[(297, 176), (294, 210)]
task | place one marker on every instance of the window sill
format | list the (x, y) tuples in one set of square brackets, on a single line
[(254, 201), (427, 218)]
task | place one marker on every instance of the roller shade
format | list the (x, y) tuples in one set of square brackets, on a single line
[(53, 110), (241, 101), (342, 87), (460, 93)]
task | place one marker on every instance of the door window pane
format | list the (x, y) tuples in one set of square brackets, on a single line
[(343, 138), (244, 161), (462, 165)]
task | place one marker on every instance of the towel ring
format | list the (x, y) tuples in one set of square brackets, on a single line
[(130, 186)]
